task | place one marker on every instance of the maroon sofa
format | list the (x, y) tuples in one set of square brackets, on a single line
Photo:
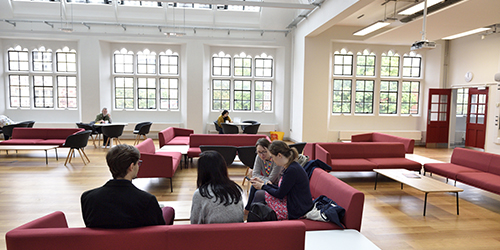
[(40, 136), (379, 137), (237, 140), (174, 136), (310, 150), (352, 200), (52, 232), (472, 167), (157, 163), (364, 156)]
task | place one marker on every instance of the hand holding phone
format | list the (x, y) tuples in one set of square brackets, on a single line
[(246, 177)]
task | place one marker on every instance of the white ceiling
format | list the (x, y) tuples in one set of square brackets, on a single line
[(463, 16)]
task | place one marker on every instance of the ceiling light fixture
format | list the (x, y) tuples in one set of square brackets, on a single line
[(470, 32), (371, 28), (419, 7)]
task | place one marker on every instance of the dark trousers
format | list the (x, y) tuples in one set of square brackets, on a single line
[(255, 196)]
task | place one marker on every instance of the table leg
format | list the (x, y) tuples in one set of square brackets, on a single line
[(376, 178), (425, 202), (57, 157), (457, 202), (46, 158)]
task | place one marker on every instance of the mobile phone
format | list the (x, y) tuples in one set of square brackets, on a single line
[(246, 177)]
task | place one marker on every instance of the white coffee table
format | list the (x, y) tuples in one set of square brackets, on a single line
[(419, 182), (183, 149), (32, 147), (338, 239)]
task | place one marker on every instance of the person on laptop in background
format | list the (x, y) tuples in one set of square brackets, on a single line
[(120, 204), (223, 118)]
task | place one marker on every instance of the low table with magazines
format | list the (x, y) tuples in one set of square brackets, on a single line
[(419, 182)]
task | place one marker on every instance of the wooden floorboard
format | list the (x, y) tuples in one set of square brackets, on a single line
[(392, 217)]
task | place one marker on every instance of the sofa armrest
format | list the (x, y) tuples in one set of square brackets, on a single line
[(323, 155), (362, 137), (168, 215), (183, 131), (154, 165), (52, 220)]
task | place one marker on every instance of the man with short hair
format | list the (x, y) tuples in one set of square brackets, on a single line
[(120, 204)]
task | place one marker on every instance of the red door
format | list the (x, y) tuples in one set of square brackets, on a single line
[(476, 118), (438, 118)]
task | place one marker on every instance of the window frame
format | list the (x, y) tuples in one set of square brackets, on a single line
[(409, 103), (364, 92), (389, 92), (343, 92)]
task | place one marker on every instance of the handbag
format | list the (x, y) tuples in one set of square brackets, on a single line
[(261, 212)]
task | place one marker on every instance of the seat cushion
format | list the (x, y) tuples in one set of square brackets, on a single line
[(448, 170), (486, 181), (21, 142), (396, 163), (59, 142), (352, 165), (179, 140), (193, 152)]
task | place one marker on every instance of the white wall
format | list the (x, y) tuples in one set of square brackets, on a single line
[(482, 58)]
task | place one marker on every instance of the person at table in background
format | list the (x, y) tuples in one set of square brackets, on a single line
[(222, 119), (103, 117), (291, 198), (264, 168), (120, 204), (218, 199)]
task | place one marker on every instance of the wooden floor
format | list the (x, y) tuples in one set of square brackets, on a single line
[(392, 217)]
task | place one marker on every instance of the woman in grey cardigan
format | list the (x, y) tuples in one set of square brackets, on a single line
[(264, 168), (217, 199)]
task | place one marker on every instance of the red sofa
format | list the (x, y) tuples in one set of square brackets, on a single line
[(237, 140), (52, 232), (310, 150), (155, 163), (174, 136), (40, 136), (352, 200), (364, 156), (472, 167), (379, 137)]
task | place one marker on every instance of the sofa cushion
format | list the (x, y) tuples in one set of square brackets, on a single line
[(382, 149), (486, 181), (471, 158), (352, 165), (340, 150), (396, 163), (448, 170), (59, 142), (146, 146), (494, 166), (21, 142), (193, 152), (197, 140), (179, 140)]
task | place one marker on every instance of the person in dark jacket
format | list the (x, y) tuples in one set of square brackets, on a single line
[(294, 184), (120, 204)]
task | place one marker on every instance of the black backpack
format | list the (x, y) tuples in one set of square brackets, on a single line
[(261, 212)]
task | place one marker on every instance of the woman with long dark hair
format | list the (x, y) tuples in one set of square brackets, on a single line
[(218, 199), (291, 198)]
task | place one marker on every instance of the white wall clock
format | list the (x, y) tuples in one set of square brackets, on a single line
[(469, 76)]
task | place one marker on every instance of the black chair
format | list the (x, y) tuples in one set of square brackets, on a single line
[(112, 132), (251, 129), (217, 127), (229, 128), (87, 126), (7, 129), (227, 152), (29, 124), (299, 146), (141, 129), (77, 141), (247, 155), (248, 121)]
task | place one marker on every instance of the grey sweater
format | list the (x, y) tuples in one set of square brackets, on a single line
[(207, 211)]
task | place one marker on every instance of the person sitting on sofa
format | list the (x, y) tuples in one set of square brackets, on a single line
[(120, 204), (218, 199), (291, 198), (222, 119), (264, 168)]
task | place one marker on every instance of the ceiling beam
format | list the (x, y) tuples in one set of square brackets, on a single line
[(245, 3)]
